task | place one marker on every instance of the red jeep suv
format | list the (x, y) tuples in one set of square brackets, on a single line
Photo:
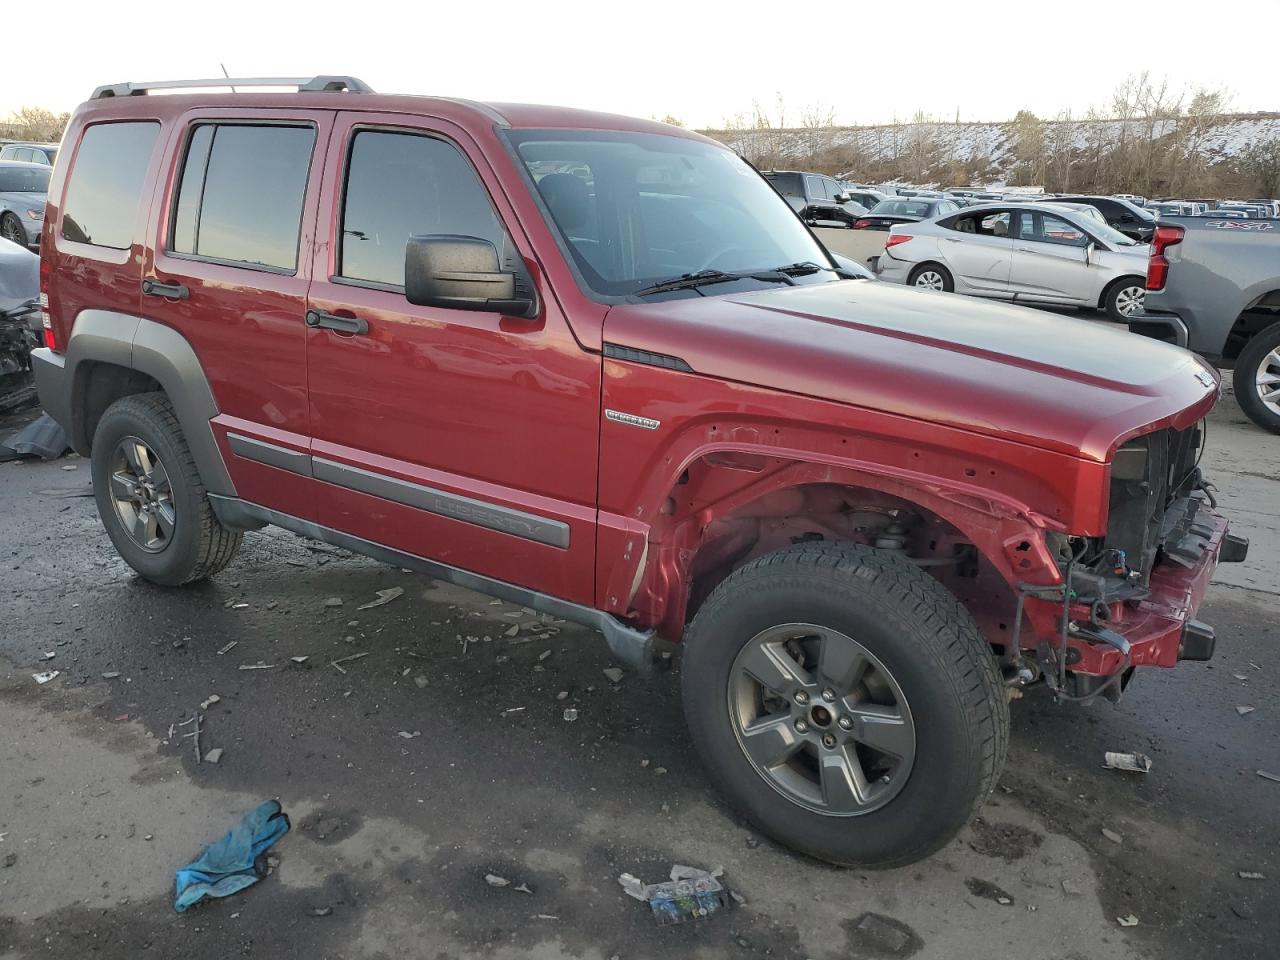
[(598, 366)]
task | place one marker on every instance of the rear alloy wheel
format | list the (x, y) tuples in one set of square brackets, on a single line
[(150, 495), (931, 276), (1257, 378), (1125, 298), (845, 703), (142, 495), (11, 229)]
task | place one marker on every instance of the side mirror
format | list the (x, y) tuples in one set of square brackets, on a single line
[(842, 197), (461, 273), (1090, 249)]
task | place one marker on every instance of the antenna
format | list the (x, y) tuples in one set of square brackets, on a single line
[(227, 75)]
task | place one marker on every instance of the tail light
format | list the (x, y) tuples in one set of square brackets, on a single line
[(1158, 265), (897, 238), (50, 340), (861, 224)]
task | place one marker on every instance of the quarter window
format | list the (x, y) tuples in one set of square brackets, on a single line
[(241, 194), (101, 206), (401, 185)]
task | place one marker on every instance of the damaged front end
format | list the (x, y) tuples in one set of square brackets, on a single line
[(1129, 599)]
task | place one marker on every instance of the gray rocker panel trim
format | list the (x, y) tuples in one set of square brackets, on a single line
[(163, 354), (554, 533), (632, 647)]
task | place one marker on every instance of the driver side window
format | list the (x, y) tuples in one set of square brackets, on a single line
[(1045, 228), (407, 184)]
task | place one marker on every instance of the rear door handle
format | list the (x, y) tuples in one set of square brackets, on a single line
[(1030, 250), (954, 239), (172, 291), (331, 321)]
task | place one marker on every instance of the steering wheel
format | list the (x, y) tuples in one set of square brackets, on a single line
[(706, 264)]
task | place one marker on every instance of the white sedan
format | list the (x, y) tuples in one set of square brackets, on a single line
[(1026, 252)]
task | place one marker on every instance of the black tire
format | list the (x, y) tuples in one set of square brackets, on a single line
[(929, 644), (199, 545), (1119, 294), (11, 229), (948, 282), (1254, 360)]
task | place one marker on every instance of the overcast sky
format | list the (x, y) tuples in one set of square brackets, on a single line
[(699, 61)]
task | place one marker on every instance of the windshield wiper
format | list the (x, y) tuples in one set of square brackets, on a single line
[(802, 268), (702, 277)]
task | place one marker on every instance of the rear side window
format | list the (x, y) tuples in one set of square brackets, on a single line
[(787, 184), (241, 194), (106, 183), (401, 185)]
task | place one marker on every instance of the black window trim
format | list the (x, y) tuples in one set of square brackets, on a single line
[(70, 175), (189, 134), (354, 131)]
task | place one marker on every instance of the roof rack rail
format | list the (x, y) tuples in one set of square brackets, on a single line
[(322, 83)]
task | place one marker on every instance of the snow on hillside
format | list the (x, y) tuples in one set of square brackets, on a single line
[(994, 142)]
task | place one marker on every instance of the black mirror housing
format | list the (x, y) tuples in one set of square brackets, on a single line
[(460, 273)]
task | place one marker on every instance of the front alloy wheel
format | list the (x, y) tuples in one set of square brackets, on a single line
[(821, 719), (142, 495)]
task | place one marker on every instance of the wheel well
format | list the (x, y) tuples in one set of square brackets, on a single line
[(1106, 291), (1251, 322), (928, 263), (97, 386), (841, 514)]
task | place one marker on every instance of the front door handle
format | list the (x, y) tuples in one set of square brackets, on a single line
[(1030, 250), (331, 321), (172, 291)]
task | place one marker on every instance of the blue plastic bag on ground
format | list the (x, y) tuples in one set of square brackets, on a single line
[(234, 862)]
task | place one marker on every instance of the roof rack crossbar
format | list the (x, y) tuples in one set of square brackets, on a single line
[(320, 84)]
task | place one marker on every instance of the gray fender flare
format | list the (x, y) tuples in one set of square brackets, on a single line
[(162, 353)]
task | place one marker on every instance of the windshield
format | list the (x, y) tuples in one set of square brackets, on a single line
[(636, 209), (24, 179), (903, 208)]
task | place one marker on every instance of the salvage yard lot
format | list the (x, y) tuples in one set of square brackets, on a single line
[(437, 759)]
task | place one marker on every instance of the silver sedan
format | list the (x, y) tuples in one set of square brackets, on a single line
[(1027, 252), (23, 189)]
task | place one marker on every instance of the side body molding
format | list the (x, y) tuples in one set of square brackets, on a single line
[(103, 336)]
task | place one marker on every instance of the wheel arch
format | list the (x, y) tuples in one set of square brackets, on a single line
[(112, 355), (715, 519), (1115, 285)]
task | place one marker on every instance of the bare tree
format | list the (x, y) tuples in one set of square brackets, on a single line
[(1262, 162), (34, 123)]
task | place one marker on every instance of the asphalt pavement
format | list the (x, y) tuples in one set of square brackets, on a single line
[(443, 753)]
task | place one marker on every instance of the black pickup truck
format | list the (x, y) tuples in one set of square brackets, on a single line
[(1213, 286)]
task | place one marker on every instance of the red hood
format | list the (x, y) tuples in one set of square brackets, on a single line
[(1056, 382)]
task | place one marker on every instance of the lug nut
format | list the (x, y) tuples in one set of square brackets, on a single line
[(802, 697), (846, 723), (802, 726), (829, 695), (828, 741)]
